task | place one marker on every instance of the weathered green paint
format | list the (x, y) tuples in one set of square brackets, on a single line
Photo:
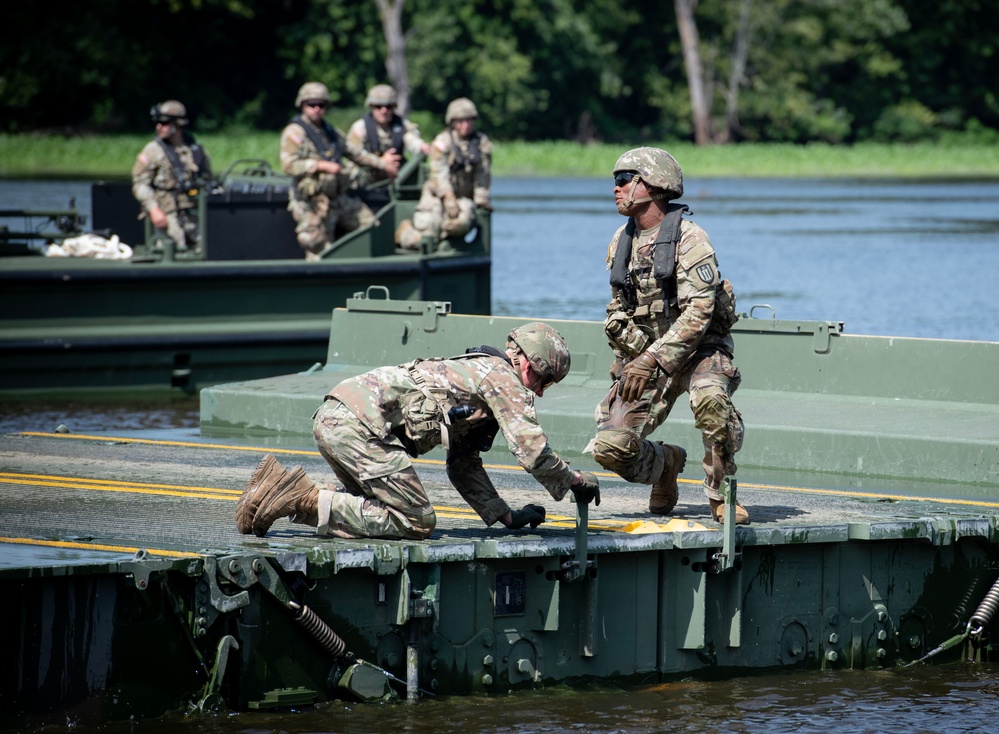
[(894, 408)]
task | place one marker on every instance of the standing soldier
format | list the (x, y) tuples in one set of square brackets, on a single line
[(382, 131), (460, 160), (312, 153), (168, 174), (370, 426), (669, 324)]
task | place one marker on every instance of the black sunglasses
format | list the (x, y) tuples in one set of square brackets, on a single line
[(383, 106), (624, 178), (313, 103)]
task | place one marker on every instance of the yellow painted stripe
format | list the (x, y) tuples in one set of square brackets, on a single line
[(508, 467), (99, 547)]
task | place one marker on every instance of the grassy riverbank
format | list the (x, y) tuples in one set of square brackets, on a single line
[(111, 157)]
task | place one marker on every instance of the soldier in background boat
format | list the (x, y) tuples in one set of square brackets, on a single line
[(168, 176), (382, 131), (313, 153), (370, 427), (459, 182), (669, 324)]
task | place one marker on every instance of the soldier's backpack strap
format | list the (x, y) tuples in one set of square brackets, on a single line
[(179, 172), (326, 140), (663, 260), (397, 129)]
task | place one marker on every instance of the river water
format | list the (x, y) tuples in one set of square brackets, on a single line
[(892, 258)]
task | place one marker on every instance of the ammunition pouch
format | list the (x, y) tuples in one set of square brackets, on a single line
[(423, 416), (725, 316), (624, 334)]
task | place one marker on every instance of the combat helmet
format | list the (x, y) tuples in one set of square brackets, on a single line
[(544, 348), (169, 111), (381, 94), (312, 90), (656, 167), (460, 109)]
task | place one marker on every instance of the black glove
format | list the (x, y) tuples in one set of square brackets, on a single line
[(588, 490), (532, 515)]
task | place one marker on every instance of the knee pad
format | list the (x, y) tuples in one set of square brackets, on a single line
[(711, 407), (628, 455)]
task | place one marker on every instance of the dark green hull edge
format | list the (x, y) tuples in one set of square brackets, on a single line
[(871, 481)]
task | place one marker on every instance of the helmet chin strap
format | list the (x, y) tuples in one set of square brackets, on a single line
[(631, 200)]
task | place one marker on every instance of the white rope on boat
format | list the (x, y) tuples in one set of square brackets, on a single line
[(91, 245)]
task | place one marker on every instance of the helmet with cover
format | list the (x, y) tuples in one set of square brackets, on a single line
[(544, 348), (460, 109), (656, 167), (316, 91), (381, 94), (169, 111)]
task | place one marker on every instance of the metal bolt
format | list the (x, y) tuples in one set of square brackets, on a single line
[(915, 641), (882, 653), (832, 656), (433, 684), (234, 566), (794, 649), (833, 638), (524, 665), (882, 615), (487, 660), (434, 664), (882, 635), (487, 680), (257, 565)]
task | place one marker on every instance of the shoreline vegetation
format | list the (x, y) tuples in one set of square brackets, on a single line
[(110, 157)]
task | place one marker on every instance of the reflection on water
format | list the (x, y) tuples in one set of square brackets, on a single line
[(907, 258), (957, 698), (891, 258)]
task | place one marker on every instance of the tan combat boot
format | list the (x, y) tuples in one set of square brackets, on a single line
[(293, 494), (664, 492), (267, 472), (718, 512)]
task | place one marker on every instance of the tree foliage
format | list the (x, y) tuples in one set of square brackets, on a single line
[(772, 70)]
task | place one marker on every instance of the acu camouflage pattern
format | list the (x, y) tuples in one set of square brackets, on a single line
[(470, 185), (154, 183), (318, 202), (690, 339), (378, 400), (656, 167)]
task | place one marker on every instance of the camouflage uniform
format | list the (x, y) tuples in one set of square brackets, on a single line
[(358, 135), (154, 183), (319, 202), (687, 332), (458, 166), (370, 425)]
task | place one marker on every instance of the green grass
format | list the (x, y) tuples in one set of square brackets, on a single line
[(111, 157)]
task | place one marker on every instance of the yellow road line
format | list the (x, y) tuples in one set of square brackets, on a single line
[(98, 546), (509, 467)]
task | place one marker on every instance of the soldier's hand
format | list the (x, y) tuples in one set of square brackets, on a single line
[(451, 207), (532, 515), (587, 489), (636, 375), (392, 161), (331, 167), (158, 218)]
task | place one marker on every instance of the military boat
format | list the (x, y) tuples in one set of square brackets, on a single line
[(244, 305), (870, 469)]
